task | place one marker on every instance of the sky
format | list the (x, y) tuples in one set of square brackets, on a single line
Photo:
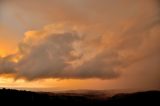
[(80, 44)]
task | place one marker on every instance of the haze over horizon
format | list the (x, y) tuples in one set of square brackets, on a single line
[(80, 44)]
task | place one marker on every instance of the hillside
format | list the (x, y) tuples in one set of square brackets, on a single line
[(27, 97)]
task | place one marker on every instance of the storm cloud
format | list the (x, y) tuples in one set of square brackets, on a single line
[(104, 40), (58, 53)]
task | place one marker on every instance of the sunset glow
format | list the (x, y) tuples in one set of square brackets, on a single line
[(79, 44)]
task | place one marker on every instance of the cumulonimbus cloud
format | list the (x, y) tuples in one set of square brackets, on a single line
[(79, 51), (58, 52), (61, 53)]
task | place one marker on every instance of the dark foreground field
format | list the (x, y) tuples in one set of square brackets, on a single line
[(149, 98)]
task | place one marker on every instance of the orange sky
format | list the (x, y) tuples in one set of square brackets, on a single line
[(96, 50), (8, 41)]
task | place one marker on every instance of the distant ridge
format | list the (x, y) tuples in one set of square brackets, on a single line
[(151, 98)]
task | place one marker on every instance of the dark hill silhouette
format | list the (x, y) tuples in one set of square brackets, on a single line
[(149, 98)]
